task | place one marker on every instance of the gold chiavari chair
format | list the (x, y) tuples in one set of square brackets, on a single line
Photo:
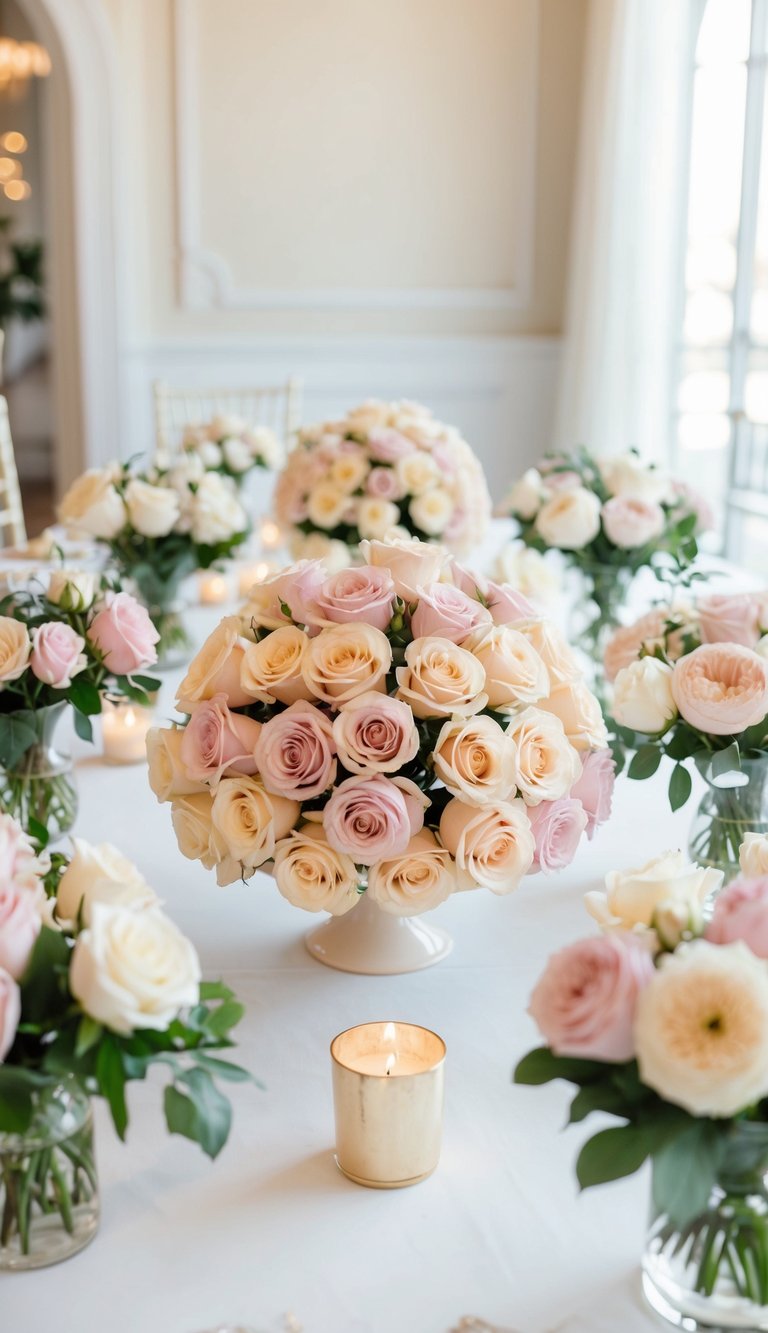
[(13, 530), (277, 407)]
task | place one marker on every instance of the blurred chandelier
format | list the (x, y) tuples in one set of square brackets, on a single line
[(20, 61)]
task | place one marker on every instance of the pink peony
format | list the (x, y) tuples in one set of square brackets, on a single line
[(507, 605), (446, 612), (585, 1002), (383, 483), (629, 522), (721, 688), (595, 788), (729, 619), (57, 654), (371, 819), (364, 594), (626, 643), (557, 827), (10, 1012), (19, 927), (124, 634), (741, 913), (217, 741), (296, 754), (387, 445), (375, 734)]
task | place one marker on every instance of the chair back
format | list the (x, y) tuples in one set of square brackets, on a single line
[(13, 530), (275, 406)]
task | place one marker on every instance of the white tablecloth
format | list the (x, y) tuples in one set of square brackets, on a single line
[(272, 1228)]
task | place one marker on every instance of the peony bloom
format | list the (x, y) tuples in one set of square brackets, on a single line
[(633, 897), (721, 689), (417, 881), (311, 875), (375, 734), (594, 788), (217, 741), (492, 844), (629, 522), (629, 641), (741, 913), (585, 1002), (445, 612), (124, 634), (701, 1031), (729, 619), (557, 828), (373, 818), (296, 752), (643, 696), (570, 520), (57, 654)]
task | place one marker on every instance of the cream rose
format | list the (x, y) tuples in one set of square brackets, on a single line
[(192, 819), (15, 648), (311, 875), (133, 970), (627, 475), (529, 572), (417, 473), (216, 668), (152, 510), (440, 679), (349, 471), (99, 874), (493, 844), (580, 714), (413, 564), (632, 897), (417, 881), (546, 763), (344, 661), (753, 855), (250, 821), (475, 759), (72, 590), (554, 650), (167, 775), (570, 520), (642, 696), (375, 518), (93, 505), (524, 499), (432, 511), (514, 672), (216, 513), (326, 505), (273, 668)]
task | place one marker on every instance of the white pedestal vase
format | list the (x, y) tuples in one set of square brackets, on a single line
[(375, 943)]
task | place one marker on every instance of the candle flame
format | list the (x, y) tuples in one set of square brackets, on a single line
[(391, 1062), (129, 717)]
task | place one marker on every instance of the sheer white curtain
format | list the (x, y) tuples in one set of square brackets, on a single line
[(624, 284)]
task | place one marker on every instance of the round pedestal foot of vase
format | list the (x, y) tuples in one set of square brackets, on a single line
[(383, 1184), (375, 943)]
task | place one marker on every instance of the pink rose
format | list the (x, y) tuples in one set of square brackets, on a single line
[(216, 741), (557, 828), (362, 594), (372, 819), (447, 613), (19, 865), (594, 789), (124, 634), (375, 734), (725, 619), (507, 605), (57, 654), (384, 484), (296, 753), (721, 688), (626, 643), (630, 522), (468, 580), (387, 445), (298, 586), (10, 1012), (584, 1004), (693, 502), (19, 927), (741, 913)]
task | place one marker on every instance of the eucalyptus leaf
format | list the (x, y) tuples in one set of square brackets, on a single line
[(199, 1111), (685, 1170)]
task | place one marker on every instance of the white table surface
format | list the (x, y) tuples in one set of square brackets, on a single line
[(272, 1229)]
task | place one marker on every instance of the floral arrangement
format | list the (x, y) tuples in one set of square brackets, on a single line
[(691, 683), (228, 445), (530, 572), (64, 644), (97, 986), (383, 470), (662, 1021), (384, 731), (159, 526)]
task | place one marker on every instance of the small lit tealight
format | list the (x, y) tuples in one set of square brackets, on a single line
[(255, 573), (270, 535), (124, 727), (212, 587)]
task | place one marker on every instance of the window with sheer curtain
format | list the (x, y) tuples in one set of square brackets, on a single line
[(722, 398)]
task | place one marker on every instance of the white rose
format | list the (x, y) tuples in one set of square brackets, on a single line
[(133, 970), (99, 874), (701, 1029), (418, 881), (210, 453), (642, 696), (475, 760), (753, 855), (626, 475), (546, 763), (570, 520), (190, 468), (72, 590), (514, 672), (417, 473), (237, 455), (167, 775), (524, 499), (632, 897), (492, 844), (375, 518), (326, 505), (92, 504), (311, 875), (152, 510), (216, 513), (224, 424), (530, 573), (432, 511), (251, 821), (264, 445), (413, 564)]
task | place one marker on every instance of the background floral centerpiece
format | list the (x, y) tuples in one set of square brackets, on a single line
[(381, 731), (61, 645), (662, 1022), (385, 469), (610, 517), (228, 445), (97, 986), (159, 526), (691, 683)]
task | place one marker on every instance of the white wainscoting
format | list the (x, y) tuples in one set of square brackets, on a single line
[(499, 391)]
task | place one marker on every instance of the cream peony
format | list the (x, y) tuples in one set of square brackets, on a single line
[(570, 520), (701, 1029), (492, 845), (152, 510), (475, 760), (310, 874), (273, 668), (216, 668), (250, 821), (417, 881), (344, 661), (15, 648), (721, 688), (753, 855), (515, 675), (546, 763), (99, 874), (633, 897), (642, 696), (92, 504), (167, 775), (440, 679), (133, 970)]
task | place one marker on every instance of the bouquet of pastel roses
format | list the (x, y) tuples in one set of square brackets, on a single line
[(159, 526), (228, 445), (402, 728), (383, 470), (662, 1022), (97, 986)]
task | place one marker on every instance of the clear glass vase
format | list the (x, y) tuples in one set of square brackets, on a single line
[(40, 786), (726, 814), (49, 1194), (712, 1272), (174, 648), (597, 609)]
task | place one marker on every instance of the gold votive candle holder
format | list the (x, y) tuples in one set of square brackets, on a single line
[(388, 1083)]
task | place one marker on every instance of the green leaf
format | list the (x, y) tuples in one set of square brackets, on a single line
[(111, 1079), (682, 744), (596, 1097), (17, 1089), (45, 976), (200, 1113), (680, 785), (613, 1153), (85, 696), (222, 1019), (645, 762), (542, 1066), (685, 1169), (88, 1033), (83, 726), (38, 832), (726, 761), (215, 990), (17, 732), (222, 1068)]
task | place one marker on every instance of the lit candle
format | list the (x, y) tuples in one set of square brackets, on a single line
[(124, 727), (254, 573), (270, 535), (212, 587), (388, 1101)]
